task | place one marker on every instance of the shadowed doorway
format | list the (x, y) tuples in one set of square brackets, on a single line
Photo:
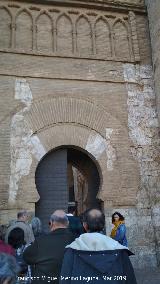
[(64, 177)]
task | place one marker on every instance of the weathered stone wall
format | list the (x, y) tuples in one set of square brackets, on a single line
[(73, 75), (153, 8)]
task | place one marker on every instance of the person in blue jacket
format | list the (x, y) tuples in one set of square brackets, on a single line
[(96, 258), (118, 233)]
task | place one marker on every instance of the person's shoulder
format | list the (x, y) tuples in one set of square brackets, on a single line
[(77, 218), (43, 237), (122, 226), (67, 232), (19, 224)]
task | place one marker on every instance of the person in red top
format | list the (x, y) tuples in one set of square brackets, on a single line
[(4, 247)]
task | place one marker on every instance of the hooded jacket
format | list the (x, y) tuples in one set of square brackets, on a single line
[(95, 258)]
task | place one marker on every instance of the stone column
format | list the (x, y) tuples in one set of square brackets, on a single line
[(153, 7)]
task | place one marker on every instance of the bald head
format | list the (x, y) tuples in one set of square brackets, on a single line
[(94, 213), (93, 220), (58, 220), (59, 213)]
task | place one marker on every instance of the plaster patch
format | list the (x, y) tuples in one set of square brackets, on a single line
[(38, 149), (129, 73), (96, 145), (23, 144), (23, 92), (110, 151)]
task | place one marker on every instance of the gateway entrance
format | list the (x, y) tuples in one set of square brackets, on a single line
[(66, 176)]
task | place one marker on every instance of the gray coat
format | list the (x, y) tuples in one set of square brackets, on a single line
[(28, 233)]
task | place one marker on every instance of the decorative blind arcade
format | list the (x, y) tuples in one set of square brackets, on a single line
[(67, 34)]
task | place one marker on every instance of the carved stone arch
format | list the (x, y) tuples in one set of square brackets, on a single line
[(103, 18), (121, 39), (83, 16), (65, 14), (7, 9), (44, 32), (121, 21), (5, 27), (103, 37), (64, 34), (43, 12), (24, 30), (84, 36)]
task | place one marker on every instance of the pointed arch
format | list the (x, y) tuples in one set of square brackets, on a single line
[(44, 30), (5, 27), (24, 30), (84, 36), (103, 37), (64, 29), (121, 39)]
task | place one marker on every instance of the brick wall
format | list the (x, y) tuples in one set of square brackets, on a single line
[(73, 75)]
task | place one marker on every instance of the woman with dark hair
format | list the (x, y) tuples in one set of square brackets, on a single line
[(16, 240), (118, 233)]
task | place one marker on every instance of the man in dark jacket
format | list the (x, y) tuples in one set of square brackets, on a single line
[(96, 258), (75, 225), (46, 253)]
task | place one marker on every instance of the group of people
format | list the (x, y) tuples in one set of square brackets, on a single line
[(73, 250)]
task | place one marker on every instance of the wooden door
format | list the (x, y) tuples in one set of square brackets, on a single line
[(51, 182)]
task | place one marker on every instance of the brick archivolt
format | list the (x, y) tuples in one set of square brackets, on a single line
[(75, 122), (70, 110), (68, 33), (117, 187)]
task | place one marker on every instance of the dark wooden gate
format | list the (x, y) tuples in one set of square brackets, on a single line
[(51, 182)]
